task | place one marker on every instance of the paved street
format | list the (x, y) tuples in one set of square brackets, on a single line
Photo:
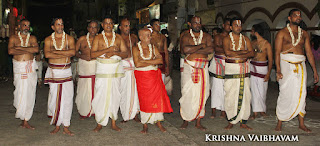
[(12, 134)]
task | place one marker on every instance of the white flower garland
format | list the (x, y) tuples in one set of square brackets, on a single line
[(292, 36), (55, 43), (199, 40), (233, 42), (106, 39), (21, 40), (88, 41), (141, 51)]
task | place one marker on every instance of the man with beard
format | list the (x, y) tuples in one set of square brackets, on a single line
[(22, 46), (260, 69), (237, 99), (129, 103), (291, 44), (87, 70), (59, 48), (109, 48), (196, 44), (216, 69), (160, 41)]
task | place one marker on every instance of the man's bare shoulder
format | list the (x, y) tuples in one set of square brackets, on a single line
[(134, 36), (82, 38), (48, 38), (282, 31), (33, 37), (69, 37), (207, 35)]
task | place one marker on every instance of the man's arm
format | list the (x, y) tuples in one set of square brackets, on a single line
[(270, 61), (218, 44), (209, 46), (238, 54), (71, 48), (139, 62), (14, 50), (95, 52), (48, 52), (310, 56), (278, 48), (78, 46), (166, 52), (33, 48), (157, 61), (190, 49), (123, 49)]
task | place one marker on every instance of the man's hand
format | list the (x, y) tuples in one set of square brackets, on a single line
[(266, 78), (316, 78), (167, 72), (114, 48), (279, 76)]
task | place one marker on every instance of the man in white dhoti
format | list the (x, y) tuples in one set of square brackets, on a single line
[(237, 83), (129, 103), (22, 46), (260, 69), (87, 70), (291, 44), (109, 48), (59, 48), (196, 44), (217, 69)]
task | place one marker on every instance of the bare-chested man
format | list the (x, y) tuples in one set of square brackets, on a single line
[(129, 103), (87, 70), (109, 48), (238, 49), (291, 44), (196, 44), (22, 46), (217, 70), (260, 69), (59, 48), (160, 41), (153, 97)]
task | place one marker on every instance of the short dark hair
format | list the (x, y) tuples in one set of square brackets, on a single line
[(190, 19), (108, 17), (258, 28), (94, 21), (123, 20), (234, 19), (54, 20), (293, 10), (226, 20), (153, 21), (219, 30)]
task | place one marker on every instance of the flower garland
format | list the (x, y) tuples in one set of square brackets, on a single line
[(141, 51), (199, 40), (55, 43), (292, 36), (89, 45), (233, 42), (21, 40), (106, 39)]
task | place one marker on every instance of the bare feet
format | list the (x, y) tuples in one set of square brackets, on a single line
[(98, 128), (137, 119), (114, 126), (263, 114), (162, 129), (304, 128), (245, 126), (55, 130), (67, 131), (25, 124), (145, 129), (255, 115), (229, 126), (279, 125), (199, 126), (123, 121), (184, 125), (223, 114), (213, 115)]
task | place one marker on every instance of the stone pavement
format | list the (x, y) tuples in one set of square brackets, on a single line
[(12, 134)]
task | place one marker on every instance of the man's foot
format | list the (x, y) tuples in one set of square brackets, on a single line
[(67, 131), (98, 128), (137, 119), (304, 128), (25, 124), (55, 130), (162, 129), (245, 126), (223, 114), (278, 127), (263, 114), (201, 127), (184, 125), (114, 126), (123, 121), (145, 129), (255, 115), (229, 126), (213, 115)]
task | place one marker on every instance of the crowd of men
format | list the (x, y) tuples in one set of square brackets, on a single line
[(127, 71)]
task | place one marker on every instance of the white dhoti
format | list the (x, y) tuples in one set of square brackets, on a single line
[(151, 118), (292, 96), (258, 70), (217, 68), (237, 88), (25, 82), (60, 101), (195, 89), (129, 103), (85, 89), (39, 70), (107, 95)]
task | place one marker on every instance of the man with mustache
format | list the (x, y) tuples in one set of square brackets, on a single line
[(23, 46), (59, 48), (291, 44)]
